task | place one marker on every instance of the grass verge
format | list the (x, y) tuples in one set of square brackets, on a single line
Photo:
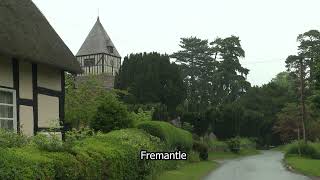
[(189, 171), (306, 166)]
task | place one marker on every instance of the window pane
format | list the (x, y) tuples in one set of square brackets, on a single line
[(6, 124), (89, 62), (6, 97), (6, 111)]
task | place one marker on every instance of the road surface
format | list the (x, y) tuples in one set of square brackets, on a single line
[(265, 166)]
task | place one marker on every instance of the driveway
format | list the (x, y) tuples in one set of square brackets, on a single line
[(265, 166)]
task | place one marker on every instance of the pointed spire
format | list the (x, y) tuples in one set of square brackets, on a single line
[(98, 41)]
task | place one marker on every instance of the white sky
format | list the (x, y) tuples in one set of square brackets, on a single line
[(267, 28)]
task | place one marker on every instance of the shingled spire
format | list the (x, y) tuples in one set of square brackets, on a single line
[(98, 41)]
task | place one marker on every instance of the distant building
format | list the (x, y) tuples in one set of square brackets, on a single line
[(98, 56), (33, 62)]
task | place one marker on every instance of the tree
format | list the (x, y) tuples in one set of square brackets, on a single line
[(288, 123), (111, 115), (196, 61), (231, 75), (298, 66), (213, 74), (309, 49), (82, 100), (151, 78), (228, 121)]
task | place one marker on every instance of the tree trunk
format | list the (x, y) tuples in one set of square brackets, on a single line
[(299, 140), (302, 100)]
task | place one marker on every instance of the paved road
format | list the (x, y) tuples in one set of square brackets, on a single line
[(265, 166)]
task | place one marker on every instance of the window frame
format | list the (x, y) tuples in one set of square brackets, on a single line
[(89, 62), (14, 105)]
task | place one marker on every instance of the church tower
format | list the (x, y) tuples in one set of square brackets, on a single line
[(98, 56)]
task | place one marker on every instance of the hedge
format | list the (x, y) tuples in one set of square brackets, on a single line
[(30, 163), (309, 150), (174, 138), (115, 155)]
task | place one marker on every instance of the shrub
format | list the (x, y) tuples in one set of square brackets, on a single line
[(187, 126), (10, 139), (175, 138), (216, 145), (50, 144), (247, 143), (81, 103), (160, 112), (303, 149), (116, 155), (111, 115), (234, 144), (198, 121), (202, 148), (32, 163), (102, 156), (140, 116), (193, 156)]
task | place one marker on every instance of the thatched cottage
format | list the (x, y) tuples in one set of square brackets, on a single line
[(33, 62)]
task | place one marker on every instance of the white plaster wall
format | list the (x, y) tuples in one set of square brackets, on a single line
[(26, 120), (25, 80), (6, 74), (48, 109), (49, 77)]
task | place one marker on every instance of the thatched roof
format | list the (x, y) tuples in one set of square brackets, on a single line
[(27, 35), (97, 42)]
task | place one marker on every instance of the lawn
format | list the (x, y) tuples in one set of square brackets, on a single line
[(304, 165), (190, 171), (230, 155)]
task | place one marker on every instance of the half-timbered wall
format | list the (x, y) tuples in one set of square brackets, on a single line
[(96, 64), (39, 94)]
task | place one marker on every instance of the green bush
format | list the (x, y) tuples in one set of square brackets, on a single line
[(175, 138), (303, 149), (32, 163), (187, 126), (234, 144), (202, 148), (193, 156), (140, 116), (50, 144), (116, 155), (247, 143), (215, 145), (10, 139), (111, 115)]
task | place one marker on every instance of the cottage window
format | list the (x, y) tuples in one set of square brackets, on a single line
[(8, 109), (89, 62)]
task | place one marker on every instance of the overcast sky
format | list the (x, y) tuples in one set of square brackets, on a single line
[(267, 28)]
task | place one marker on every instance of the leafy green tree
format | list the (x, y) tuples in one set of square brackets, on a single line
[(151, 78), (196, 62), (111, 115), (82, 100), (228, 123), (231, 76)]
